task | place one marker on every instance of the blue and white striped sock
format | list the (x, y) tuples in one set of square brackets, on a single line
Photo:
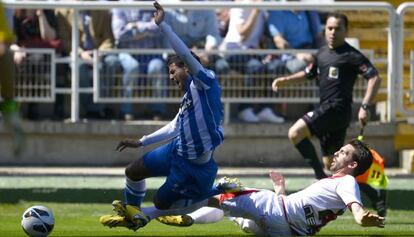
[(134, 192)]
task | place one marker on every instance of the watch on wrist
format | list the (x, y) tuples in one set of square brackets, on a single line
[(365, 106)]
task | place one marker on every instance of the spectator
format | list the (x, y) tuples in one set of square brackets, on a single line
[(293, 30), (94, 34), (136, 29), (34, 29), (223, 18), (197, 28), (246, 28)]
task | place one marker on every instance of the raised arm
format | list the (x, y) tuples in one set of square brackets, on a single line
[(365, 218), (176, 43)]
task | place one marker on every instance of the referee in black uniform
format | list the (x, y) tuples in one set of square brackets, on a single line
[(335, 67)]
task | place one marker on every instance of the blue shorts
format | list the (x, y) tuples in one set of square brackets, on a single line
[(185, 180)]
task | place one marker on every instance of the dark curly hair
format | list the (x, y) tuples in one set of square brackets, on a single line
[(362, 156)]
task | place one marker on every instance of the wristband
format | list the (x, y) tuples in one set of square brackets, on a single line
[(365, 106)]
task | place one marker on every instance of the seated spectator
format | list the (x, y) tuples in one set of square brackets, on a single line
[(34, 29), (198, 29), (246, 28), (293, 30), (94, 34), (223, 17), (136, 29)]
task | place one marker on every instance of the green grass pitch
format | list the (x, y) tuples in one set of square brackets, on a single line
[(82, 220)]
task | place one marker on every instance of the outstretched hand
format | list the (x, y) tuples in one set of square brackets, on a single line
[(128, 143), (159, 13), (371, 219)]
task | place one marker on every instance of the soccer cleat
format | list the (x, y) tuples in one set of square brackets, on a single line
[(131, 213), (229, 185), (182, 221), (117, 221)]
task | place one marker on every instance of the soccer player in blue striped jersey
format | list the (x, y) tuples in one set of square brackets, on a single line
[(187, 159)]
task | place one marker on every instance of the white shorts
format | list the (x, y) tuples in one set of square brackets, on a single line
[(263, 207)]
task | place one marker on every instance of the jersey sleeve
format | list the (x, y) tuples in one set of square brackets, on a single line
[(204, 79), (348, 191), (181, 49), (365, 67), (165, 133)]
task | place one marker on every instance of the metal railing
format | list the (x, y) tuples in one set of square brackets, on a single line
[(36, 76), (93, 5), (108, 85)]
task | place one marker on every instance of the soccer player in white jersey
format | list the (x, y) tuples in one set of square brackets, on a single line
[(307, 211), (208, 215), (187, 159)]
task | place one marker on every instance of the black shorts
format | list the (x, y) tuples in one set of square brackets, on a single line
[(329, 122)]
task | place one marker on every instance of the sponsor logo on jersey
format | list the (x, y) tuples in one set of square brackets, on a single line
[(185, 104)]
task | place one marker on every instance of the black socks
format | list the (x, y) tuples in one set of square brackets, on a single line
[(307, 150)]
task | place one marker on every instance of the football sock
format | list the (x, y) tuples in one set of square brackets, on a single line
[(307, 150), (153, 212), (134, 192), (206, 215)]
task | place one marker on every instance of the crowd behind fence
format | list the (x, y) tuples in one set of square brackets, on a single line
[(37, 78)]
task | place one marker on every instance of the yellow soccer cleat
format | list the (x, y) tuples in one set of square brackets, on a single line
[(117, 221), (182, 221), (230, 185), (131, 213)]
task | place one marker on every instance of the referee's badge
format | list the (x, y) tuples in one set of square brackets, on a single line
[(333, 73)]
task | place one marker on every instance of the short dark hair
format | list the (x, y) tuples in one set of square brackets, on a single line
[(340, 16), (362, 156), (174, 58)]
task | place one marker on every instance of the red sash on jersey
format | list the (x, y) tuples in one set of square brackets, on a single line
[(226, 196)]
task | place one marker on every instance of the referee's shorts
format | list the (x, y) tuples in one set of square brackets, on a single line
[(329, 122)]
